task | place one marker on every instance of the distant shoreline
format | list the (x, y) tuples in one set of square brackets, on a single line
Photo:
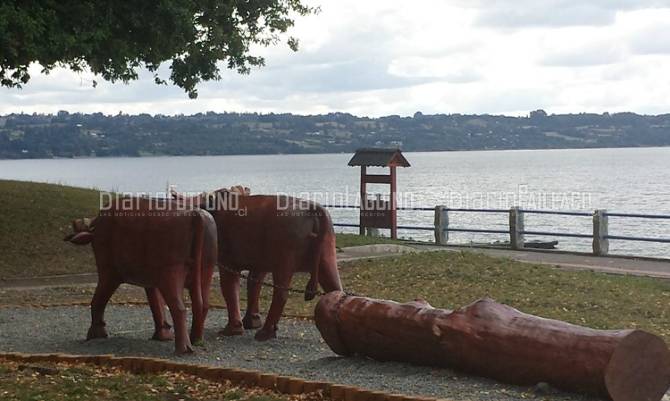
[(77, 135), (326, 153)]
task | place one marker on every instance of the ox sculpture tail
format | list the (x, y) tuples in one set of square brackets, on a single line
[(198, 249), (319, 231)]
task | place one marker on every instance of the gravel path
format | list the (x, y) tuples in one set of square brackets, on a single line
[(299, 351)]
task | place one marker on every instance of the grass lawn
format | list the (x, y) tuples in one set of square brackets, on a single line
[(34, 218), (19, 382), (445, 279), (346, 240)]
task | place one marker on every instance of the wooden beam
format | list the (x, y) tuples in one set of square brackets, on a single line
[(377, 179)]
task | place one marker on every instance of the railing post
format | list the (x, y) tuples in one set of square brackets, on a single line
[(441, 225), (516, 228), (601, 245)]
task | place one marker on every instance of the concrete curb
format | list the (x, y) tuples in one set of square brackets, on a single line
[(242, 377)]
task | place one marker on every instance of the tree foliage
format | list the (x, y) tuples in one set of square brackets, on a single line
[(114, 39)]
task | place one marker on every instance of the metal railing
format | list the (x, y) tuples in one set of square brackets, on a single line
[(637, 216), (516, 228)]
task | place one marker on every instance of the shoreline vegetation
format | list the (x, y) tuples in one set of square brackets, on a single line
[(77, 135), (325, 153)]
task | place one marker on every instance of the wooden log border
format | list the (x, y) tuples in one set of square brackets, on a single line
[(241, 377)]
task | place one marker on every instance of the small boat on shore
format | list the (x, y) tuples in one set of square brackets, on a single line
[(534, 244)]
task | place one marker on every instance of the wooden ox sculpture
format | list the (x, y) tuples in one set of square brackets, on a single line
[(158, 245), (494, 340), (269, 234)]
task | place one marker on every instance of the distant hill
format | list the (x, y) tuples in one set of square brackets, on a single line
[(85, 135)]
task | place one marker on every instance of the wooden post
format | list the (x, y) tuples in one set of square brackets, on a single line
[(516, 228), (361, 229), (601, 245), (441, 225), (392, 205)]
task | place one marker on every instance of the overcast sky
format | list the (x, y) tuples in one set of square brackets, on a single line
[(381, 57)]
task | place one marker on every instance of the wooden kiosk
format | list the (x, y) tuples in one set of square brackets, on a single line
[(378, 213)]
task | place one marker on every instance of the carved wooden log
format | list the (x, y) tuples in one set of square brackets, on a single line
[(494, 340)]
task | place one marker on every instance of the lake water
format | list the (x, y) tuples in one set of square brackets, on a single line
[(619, 180)]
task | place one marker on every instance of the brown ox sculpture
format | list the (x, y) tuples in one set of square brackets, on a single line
[(269, 234), (157, 245)]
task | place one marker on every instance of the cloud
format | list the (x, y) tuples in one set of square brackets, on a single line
[(379, 57), (539, 14), (515, 14), (651, 40), (347, 76), (583, 56), (450, 69)]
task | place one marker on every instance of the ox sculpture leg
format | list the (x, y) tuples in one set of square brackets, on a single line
[(199, 293), (329, 279), (281, 279), (252, 317), (107, 285), (162, 330), (230, 288), (171, 287), (207, 277)]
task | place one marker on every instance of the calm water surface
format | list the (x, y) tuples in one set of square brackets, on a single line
[(621, 180)]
